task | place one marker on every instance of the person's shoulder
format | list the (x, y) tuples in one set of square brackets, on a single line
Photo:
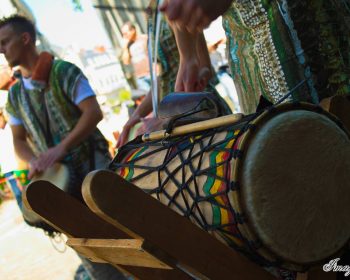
[(64, 69), (62, 65)]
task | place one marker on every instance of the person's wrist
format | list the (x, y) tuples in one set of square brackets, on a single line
[(188, 56), (135, 118), (64, 147)]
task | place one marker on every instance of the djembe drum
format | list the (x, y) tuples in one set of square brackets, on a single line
[(58, 175), (274, 185)]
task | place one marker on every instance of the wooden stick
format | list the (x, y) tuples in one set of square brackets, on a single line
[(193, 127)]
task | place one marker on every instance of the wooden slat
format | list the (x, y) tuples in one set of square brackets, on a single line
[(66, 213), (129, 208), (120, 251), (71, 217), (87, 252), (319, 274)]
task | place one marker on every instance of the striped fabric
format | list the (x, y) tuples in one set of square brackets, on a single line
[(169, 59)]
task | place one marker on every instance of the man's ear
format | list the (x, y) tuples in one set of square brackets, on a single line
[(26, 38)]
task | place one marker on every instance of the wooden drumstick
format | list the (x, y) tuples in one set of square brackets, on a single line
[(193, 127)]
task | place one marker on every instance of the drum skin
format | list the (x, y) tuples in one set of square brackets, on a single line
[(296, 186), (57, 174), (274, 186)]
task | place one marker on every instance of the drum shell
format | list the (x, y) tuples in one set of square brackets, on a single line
[(228, 166)]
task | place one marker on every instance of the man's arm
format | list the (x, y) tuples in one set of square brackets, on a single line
[(125, 57), (194, 69), (206, 69), (90, 117), (186, 79), (23, 150), (141, 111)]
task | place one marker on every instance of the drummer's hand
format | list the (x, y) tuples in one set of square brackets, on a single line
[(124, 136), (150, 125), (191, 76), (51, 156), (33, 168)]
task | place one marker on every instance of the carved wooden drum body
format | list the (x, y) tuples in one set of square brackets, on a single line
[(274, 186)]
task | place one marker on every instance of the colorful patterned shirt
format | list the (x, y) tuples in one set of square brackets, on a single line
[(169, 59), (274, 46)]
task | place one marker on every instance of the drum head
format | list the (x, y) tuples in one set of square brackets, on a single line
[(57, 174), (295, 178)]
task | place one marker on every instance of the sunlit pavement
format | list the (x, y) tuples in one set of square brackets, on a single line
[(26, 253)]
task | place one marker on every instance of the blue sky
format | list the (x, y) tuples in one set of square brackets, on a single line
[(63, 26)]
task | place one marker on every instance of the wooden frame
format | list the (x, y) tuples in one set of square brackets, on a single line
[(76, 220), (126, 227)]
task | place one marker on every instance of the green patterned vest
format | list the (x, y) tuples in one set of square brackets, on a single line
[(63, 114)]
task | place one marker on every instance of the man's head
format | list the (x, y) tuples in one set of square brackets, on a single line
[(17, 36), (129, 32)]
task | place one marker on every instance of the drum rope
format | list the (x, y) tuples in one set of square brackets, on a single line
[(183, 149)]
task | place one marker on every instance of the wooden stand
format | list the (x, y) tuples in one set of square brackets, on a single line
[(124, 226), (76, 220), (117, 251)]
